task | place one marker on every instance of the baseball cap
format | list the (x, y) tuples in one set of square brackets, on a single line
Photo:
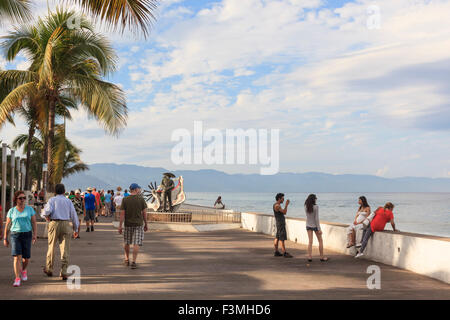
[(134, 186), (77, 191)]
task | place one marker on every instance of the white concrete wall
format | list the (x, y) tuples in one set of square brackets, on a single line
[(422, 254)]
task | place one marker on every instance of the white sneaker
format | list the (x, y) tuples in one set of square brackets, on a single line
[(359, 255), (16, 283), (24, 276)]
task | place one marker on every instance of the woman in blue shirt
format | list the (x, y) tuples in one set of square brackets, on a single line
[(21, 222)]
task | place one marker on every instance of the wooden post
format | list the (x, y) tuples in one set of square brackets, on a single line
[(4, 168), (11, 185)]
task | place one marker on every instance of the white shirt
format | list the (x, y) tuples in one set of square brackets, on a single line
[(61, 208), (118, 200)]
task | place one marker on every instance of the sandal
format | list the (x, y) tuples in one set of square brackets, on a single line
[(324, 259), (133, 265), (126, 263)]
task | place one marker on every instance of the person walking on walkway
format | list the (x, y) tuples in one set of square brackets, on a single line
[(89, 212), (21, 223), (382, 216), (134, 214), (1, 222), (113, 205), (313, 224), (118, 201), (280, 220), (78, 203), (108, 197), (59, 211), (98, 205)]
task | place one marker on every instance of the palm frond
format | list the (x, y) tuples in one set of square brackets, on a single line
[(122, 14), (14, 100), (104, 101), (22, 39), (15, 10)]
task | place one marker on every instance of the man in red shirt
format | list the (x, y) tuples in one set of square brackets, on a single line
[(97, 203), (382, 216)]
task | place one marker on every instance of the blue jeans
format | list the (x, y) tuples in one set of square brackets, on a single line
[(21, 244), (367, 233)]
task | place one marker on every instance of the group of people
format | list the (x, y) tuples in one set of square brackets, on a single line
[(369, 222), (63, 214)]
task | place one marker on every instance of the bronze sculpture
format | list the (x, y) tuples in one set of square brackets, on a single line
[(172, 189)]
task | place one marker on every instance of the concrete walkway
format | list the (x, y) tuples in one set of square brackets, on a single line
[(232, 264)]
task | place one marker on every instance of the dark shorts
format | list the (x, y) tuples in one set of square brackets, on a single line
[(312, 228), (21, 244), (281, 232), (90, 215)]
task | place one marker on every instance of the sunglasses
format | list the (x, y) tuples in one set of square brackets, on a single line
[(21, 198)]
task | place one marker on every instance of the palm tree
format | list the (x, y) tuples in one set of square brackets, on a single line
[(35, 115), (131, 14), (65, 62), (67, 155)]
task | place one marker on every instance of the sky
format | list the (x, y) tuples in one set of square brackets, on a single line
[(358, 87)]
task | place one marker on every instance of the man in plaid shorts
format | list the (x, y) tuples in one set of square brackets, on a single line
[(133, 212)]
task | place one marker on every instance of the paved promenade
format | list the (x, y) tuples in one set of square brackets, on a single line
[(232, 264)]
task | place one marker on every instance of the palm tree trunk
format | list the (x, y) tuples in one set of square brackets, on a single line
[(31, 131), (50, 143)]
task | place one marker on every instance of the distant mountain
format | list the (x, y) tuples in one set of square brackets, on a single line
[(110, 176)]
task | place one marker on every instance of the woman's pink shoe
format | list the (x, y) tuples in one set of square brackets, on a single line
[(16, 282), (24, 275)]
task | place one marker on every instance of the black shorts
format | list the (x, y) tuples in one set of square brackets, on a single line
[(312, 228), (281, 232), (90, 215)]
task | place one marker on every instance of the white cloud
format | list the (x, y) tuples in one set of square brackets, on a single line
[(382, 172), (340, 93)]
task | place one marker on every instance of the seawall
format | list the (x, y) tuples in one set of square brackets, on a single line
[(423, 254)]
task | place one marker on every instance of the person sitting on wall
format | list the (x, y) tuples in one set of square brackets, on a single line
[(361, 215), (382, 216)]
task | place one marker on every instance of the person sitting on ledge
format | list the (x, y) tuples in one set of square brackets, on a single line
[(382, 216), (361, 215)]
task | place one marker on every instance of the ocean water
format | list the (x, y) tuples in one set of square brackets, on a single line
[(426, 213)]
